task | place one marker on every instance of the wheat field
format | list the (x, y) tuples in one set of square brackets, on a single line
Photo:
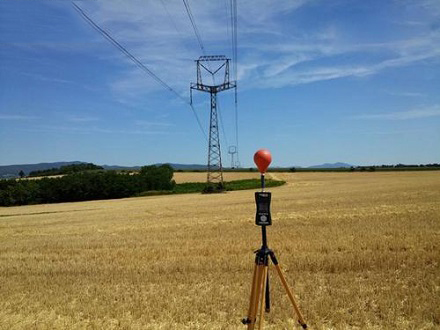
[(359, 250)]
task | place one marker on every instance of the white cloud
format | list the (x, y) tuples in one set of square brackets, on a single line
[(16, 117), (46, 78), (163, 38), (432, 6), (160, 35), (313, 73), (150, 124), (98, 130), (81, 119), (407, 94), (424, 112)]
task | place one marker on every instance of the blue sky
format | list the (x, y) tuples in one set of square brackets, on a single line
[(319, 81)]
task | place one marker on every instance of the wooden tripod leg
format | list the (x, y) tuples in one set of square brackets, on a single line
[(256, 296), (292, 300), (252, 299), (267, 300), (263, 296)]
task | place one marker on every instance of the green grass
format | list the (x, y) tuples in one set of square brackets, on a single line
[(195, 187), (198, 187), (251, 184)]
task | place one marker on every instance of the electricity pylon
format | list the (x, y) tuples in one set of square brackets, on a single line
[(232, 151), (215, 170)]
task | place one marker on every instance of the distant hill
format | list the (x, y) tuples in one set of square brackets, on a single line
[(173, 165), (187, 166), (332, 165), (11, 171), (117, 167)]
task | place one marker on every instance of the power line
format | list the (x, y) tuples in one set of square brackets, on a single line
[(234, 42), (228, 25), (170, 17), (137, 62), (197, 34), (234, 21), (193, 23), (221, 123)]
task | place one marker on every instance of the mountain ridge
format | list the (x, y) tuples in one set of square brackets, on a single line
[(332, 165)]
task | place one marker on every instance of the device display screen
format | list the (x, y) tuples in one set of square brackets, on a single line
[(264, 207)]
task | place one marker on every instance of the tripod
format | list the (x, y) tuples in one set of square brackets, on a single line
[(260, 292)]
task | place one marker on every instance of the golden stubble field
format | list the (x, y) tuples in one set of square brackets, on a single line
[(360, 251)]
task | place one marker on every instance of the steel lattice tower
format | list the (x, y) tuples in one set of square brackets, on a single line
[(215, 169), (232, 151)]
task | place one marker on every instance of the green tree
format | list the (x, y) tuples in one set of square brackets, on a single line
[(86, 185)]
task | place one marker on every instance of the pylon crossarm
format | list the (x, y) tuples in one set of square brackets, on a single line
[(213, 58)]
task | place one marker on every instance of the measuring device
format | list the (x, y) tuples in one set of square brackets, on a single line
[(263, 217), (260, 292)]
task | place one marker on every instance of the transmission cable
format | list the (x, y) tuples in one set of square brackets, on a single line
[(221, 122), (137, 62), (171, 18), (233, 9), (234, 23), (233, 20), (193, 23), (197, 34)]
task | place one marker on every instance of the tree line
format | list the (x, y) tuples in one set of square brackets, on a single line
[(68, 169), (86, 185)]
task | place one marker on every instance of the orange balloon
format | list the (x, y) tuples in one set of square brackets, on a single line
[(262, 159)]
